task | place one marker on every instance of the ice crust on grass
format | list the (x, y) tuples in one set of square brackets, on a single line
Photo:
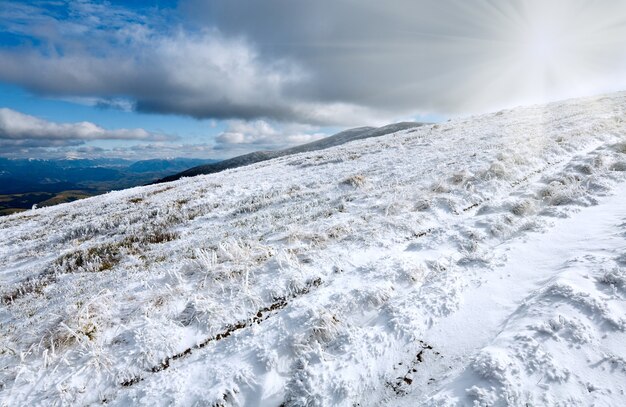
[(474, 262)]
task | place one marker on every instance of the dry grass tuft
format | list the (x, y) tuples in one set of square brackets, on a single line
[(355, 181)]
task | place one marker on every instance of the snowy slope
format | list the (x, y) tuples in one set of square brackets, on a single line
[(343, 137), (477, 262)]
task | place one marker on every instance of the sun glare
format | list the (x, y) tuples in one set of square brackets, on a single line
[(545, 52), (541, 46)]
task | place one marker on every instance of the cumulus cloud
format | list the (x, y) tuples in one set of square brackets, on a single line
[(199, 73), (326, 62), (261, 133), (23, 135), (18, 128)]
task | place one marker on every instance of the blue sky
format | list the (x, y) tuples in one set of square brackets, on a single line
[(218, 78)]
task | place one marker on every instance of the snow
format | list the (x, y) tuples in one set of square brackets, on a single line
[(547, 319), (480, 261), (343, 137)]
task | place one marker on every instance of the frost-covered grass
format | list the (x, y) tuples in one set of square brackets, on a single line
[(318, 278)]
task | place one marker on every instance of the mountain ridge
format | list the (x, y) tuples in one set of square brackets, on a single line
[(357, 133)]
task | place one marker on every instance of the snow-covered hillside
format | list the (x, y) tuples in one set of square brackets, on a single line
[(480, 261), (338, 139)]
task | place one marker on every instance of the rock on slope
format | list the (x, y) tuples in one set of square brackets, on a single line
[(343, 137), (476, 262)]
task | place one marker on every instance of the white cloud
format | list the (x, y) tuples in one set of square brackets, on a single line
[(261, 133), (118, 59), (19, 126)]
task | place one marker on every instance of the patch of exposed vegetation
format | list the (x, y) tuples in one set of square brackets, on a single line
[(355, 181)]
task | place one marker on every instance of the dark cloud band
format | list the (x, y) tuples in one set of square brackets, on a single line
[(333, 62)]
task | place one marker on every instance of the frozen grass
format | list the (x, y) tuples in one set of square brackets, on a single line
[(305, 280)]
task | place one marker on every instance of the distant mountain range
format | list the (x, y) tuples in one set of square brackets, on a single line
[(258, 156), (25, 182)]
